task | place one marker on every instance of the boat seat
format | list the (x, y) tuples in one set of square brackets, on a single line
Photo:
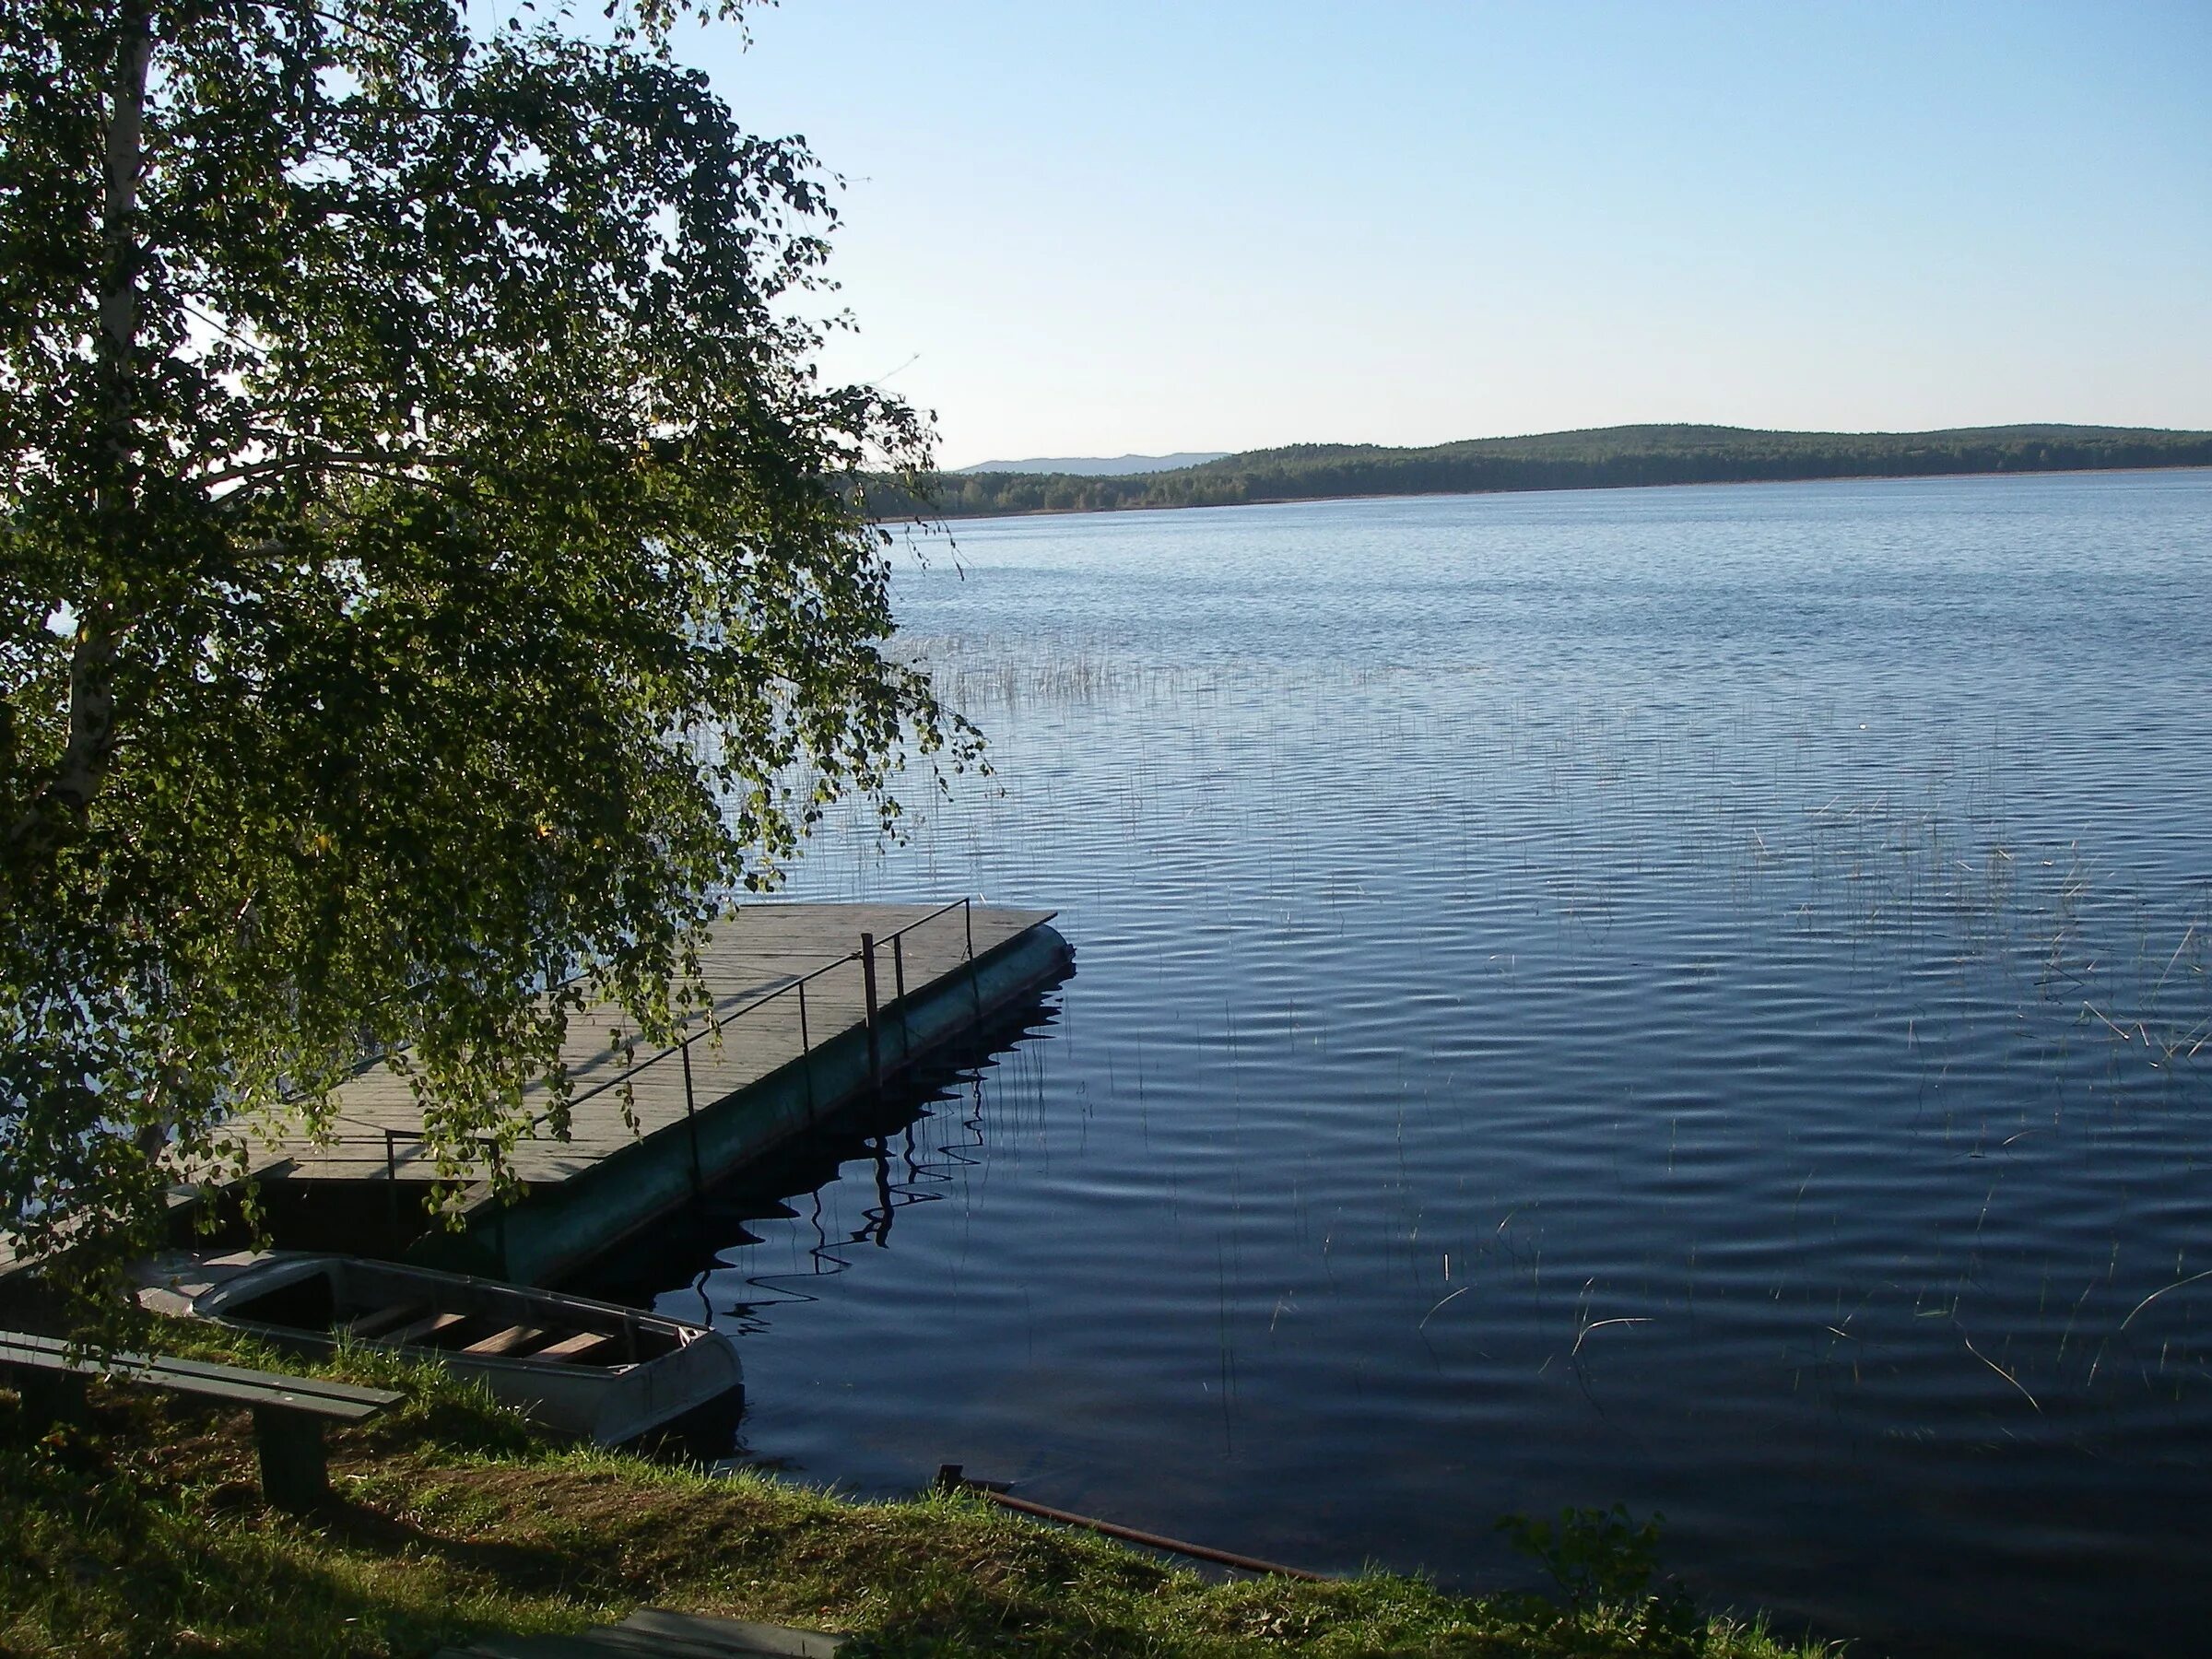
[(376, 1323), (584, 1345), (432, 1325), (506, 1341)]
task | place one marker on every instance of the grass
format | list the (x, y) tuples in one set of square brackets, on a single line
[(141, 1531)]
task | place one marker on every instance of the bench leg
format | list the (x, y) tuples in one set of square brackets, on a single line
[(50, 1398), (294, 1473)]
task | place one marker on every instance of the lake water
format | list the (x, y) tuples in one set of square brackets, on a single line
[(1693, 997)]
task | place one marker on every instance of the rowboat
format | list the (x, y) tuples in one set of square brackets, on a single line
[(587, 1367)]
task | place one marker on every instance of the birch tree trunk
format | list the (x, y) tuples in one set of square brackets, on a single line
[(57, 814)]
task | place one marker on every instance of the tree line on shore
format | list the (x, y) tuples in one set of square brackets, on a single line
[(1609, 457)]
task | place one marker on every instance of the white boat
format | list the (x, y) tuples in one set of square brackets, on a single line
[(590, 1367)]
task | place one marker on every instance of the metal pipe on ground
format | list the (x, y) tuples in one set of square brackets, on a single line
[(949, 1479)]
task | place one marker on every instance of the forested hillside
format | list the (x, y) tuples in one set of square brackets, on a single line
[(1605, 457)]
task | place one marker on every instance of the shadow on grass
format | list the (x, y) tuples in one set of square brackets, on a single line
[(143, 1533)]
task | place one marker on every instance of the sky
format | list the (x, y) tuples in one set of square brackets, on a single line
[(1097, 229)]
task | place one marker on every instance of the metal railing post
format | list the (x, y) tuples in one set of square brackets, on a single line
[(488, 1148), (805, 1049), (867, 988), (975, 990), (683, 1047), (391, 1177), (906, 1034)]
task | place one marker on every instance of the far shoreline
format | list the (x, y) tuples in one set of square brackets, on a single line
[(1433, 495)]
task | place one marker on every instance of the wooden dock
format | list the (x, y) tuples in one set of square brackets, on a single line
[(814, 1005)]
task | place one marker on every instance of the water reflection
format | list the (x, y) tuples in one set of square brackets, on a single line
[(822, 1199)]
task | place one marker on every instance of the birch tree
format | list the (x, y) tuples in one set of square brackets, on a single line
[(430, 567)]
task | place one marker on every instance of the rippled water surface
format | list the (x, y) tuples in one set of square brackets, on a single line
[(1696, 998)]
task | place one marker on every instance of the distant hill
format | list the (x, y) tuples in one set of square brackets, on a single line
[(1099, 467), (1604, 457)]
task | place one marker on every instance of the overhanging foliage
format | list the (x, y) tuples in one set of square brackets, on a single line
[(428, 567)]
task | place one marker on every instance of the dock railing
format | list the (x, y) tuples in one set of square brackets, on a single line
[(866, 958)]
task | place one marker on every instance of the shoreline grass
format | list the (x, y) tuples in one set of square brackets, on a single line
[(141, 1531)]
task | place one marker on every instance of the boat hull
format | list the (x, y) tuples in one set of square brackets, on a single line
[(655, 1369)]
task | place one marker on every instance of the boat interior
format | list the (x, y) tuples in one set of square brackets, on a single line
[(479, 1320)]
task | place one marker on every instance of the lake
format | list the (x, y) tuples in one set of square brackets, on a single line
[(1691, 997)]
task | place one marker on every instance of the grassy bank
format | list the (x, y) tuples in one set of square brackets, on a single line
[(141, 1531)]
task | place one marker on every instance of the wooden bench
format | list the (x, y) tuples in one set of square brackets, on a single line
[(289, 1412)]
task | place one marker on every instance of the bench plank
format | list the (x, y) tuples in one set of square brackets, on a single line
[(342, 1402), (504, 1342), (734, 1635), (652, 1633)]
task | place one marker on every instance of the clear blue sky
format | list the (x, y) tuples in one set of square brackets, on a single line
[(1086, 229)]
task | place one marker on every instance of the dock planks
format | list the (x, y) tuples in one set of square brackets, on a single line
[(747, 958)]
